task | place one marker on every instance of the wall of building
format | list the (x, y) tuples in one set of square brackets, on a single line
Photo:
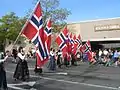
[(74, 28), (97, 29)]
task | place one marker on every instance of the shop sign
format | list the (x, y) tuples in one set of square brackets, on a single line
[(107, 27)]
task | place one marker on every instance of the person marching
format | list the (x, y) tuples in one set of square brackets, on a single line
[(21, 71), (14, 53), (3, 81), (73, 59), (59, 58), (52, 65)]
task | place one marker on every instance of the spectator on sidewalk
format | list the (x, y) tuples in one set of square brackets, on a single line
[(116, 57)]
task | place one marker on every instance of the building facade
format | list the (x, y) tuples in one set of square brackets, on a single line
[(105, 31)]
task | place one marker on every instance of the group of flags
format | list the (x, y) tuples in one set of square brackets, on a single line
[(70, 44), (41, 38)]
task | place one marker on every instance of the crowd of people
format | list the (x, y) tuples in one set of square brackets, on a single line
[(106, 57), (57, 60), (21, 71)]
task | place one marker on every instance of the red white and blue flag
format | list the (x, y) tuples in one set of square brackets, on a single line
[(47, 35), (62, 39), (86, 48), (70, 43), (79, 41), (34, 31), (74, 51)]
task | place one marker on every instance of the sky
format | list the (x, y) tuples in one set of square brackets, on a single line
[(80, 9)]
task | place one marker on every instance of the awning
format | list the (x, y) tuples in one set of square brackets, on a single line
[(103, 39)]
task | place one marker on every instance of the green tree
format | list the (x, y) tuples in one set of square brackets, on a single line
[(58, 15), (10, 26)]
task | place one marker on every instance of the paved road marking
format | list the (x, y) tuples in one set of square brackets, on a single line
[(62, 73), (15, 86), (33, 89), (59, 73), (72, 82), (25, 83), (31, 68)]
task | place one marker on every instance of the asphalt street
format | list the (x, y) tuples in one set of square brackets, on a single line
[(81, 77)]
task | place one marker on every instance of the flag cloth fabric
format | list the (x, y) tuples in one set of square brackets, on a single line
[(69, 47), (79, 41), (86, 48), (70, 43), (75, 45), (62, 39), (47, 36), (34, 31)]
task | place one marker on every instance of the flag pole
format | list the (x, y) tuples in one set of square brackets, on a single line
[(25, 25)]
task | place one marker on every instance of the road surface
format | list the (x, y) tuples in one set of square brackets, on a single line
[(81, 77)]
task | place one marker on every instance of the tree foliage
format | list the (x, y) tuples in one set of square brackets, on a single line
[(58, 15), (10, 26)]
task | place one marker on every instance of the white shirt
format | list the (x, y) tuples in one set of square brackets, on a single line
[(78, 55), (21, 56), (51, 53), (105, 52), (100, 53), (59, 53), (119, 53), (33, 50)]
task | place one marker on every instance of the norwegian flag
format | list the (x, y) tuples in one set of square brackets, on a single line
[(79, 41), (70, 43), (62, 39), (75, 45), (33, 30), (47, 36), (86, 48)]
